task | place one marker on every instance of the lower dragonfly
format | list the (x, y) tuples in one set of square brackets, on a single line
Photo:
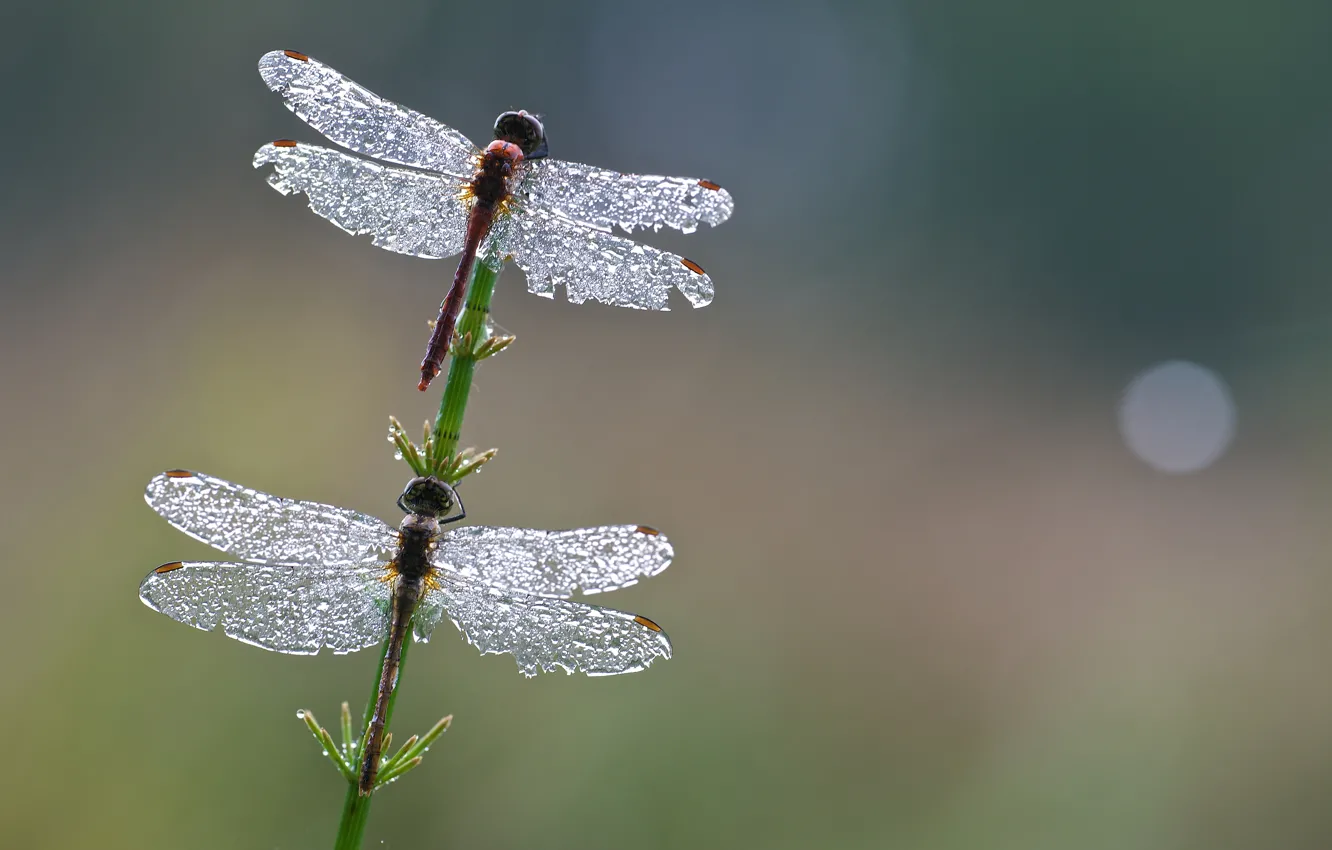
[(321, 576)]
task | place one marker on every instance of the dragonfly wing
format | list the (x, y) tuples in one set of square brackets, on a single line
[(297, 609), (410, 212), (555, 563), (545, 634), (360, 120), (608, 198), (590, 263), (255, 526)]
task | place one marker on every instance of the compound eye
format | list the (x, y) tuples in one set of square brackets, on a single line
[(428, 496), (522, 129)]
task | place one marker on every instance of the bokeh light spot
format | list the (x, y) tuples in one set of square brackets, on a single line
[(1177, 416)]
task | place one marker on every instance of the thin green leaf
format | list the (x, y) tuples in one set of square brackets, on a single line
[(399, 769), (418, 748), (397, 757), (326, 742)]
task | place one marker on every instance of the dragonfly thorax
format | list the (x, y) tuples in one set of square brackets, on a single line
[(490, 184), (418, 534), (501, 157)]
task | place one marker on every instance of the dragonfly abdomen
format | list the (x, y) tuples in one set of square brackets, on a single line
[(406, 594), (489, 188), (412, 565)]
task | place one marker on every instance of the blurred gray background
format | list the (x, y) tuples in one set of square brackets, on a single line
[(924, 595)]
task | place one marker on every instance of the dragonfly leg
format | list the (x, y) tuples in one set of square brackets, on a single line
[(462, 512)]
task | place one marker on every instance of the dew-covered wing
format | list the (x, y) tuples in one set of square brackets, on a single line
[(360, 120), (611, 199), (589, 263), (296, 609), (410, 212), (255, 526), (555, 563), (542, 633)]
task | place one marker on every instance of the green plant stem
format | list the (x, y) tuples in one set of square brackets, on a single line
[(471, 330), (356, 808), (448, 429), (355, 811)]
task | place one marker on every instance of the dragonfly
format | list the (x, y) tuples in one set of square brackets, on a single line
[(322, 577), (421, 188)]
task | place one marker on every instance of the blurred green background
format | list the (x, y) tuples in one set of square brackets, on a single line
[(924, 596)]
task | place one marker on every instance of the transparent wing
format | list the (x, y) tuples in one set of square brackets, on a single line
[(590, 263), (410, 212), (297, 609), (257, 527), (541, 633), (608, 198), (555, 563), (360, 120)]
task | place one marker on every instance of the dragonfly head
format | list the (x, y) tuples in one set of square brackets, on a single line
[(428, 496), (524, 130)]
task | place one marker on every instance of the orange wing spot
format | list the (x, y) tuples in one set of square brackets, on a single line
[(166, 568), (692, 266), (285, 143), (178, 473), (708, 184), (644, 621), (299, 57), (647, 529)]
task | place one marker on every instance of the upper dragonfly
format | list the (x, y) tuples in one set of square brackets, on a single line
[(552, 218), (322, 576)]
